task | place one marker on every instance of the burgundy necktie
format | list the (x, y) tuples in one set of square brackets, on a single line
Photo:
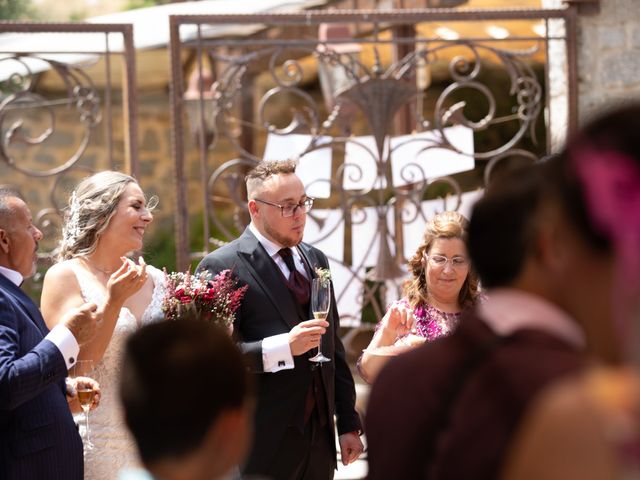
[(296, 282)]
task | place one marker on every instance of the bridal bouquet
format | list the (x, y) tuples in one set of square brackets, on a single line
[(215, 299)]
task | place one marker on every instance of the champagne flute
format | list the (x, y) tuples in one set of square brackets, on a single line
[(83, 368), (320, 302)]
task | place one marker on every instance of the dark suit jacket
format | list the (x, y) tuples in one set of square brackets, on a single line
[(268, 309), (38, 437), (408, 433)]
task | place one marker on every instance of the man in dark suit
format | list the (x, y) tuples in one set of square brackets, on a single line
[(38, 437), (296, 399), (449, 409)]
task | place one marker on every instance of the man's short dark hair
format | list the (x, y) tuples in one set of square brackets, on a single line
[(502, 225), (266, 169), (178, 377)]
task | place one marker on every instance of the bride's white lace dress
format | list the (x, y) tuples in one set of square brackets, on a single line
[(114, 448)]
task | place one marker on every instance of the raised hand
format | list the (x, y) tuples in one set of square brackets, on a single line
[(82, 322), (306, 335), (398, 321), (127, 280)]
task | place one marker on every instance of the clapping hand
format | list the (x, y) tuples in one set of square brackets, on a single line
[(398, 321), (127, 280), (82, 322)]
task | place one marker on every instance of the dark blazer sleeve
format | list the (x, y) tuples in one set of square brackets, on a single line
[(347, 416), (24, 376), (252, 350)]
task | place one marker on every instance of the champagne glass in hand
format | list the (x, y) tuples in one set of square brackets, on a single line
[(320, 303), (86, 395)]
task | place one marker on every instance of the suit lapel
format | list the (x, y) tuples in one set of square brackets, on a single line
[(267, 275), (26, 304)]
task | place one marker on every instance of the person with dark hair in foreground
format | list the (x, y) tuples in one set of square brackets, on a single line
[(588, 427), (448, 410), (186, 398)]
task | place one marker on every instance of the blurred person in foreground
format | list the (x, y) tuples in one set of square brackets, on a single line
[(443, 285), (588, 427), (38, 437), (449, 409), (186, 397)]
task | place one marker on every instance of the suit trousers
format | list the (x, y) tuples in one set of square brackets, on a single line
[(306, 455)]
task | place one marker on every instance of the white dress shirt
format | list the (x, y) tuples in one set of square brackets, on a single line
[(276, 352), (60, 335)]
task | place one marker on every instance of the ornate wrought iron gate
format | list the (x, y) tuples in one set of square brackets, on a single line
[(410, 100), (57, 119)]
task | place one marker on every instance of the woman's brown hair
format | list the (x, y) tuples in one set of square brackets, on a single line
[(442, 225)]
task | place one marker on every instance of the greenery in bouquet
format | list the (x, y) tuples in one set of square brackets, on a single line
[(213, 298)]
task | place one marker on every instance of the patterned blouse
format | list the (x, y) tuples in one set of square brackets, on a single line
[(431, 324)]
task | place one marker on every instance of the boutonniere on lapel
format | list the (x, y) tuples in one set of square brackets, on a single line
[(324, 274), (214, 299)]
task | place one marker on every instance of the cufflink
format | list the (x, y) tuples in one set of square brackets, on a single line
[(281, 363)]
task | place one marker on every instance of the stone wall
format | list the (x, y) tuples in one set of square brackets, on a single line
[(608, 55)]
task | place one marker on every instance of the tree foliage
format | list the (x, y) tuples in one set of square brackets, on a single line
[(15, 9)]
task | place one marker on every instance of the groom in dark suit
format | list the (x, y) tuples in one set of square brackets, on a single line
[(296, 399), (38, 437)]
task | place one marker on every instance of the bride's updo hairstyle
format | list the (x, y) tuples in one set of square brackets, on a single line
[(442, 225), (91, 206)]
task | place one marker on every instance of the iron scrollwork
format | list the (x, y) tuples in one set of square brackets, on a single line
[(376, 94), (20, 98)]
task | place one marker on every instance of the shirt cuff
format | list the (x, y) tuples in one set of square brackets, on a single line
[(276, 354), (62, 338)]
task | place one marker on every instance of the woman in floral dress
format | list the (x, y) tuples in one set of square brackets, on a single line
[(443, 285)]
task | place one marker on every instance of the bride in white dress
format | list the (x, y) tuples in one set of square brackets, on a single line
[(106, 219)]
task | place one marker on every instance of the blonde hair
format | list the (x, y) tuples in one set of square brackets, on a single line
[(442, 225), (91, 207)]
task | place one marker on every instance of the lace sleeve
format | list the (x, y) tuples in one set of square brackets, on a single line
[(153, 312)]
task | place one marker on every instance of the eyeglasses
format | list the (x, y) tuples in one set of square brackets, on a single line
[(289, 210), (439, 261)]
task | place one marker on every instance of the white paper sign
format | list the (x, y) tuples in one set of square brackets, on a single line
[(413, 229), (412, 161), (360, 165), (348, 287), (314, 168), (325, 230), (365, 239)]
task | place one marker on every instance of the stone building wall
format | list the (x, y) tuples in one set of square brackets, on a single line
[(608, 55)]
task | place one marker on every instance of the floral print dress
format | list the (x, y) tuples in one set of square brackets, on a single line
[(431, 324)]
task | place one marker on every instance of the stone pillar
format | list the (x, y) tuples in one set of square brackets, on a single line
[(608, 56)]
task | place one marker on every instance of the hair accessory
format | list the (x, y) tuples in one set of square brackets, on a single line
[(612, 187), (71, 231)]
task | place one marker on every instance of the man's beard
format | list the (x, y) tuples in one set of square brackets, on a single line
[(281, 239)]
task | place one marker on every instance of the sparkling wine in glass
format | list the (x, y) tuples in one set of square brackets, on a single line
[(320, 303), (85, 397), (83, 368)]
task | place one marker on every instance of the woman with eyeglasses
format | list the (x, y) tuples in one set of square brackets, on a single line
[(443, 285)]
